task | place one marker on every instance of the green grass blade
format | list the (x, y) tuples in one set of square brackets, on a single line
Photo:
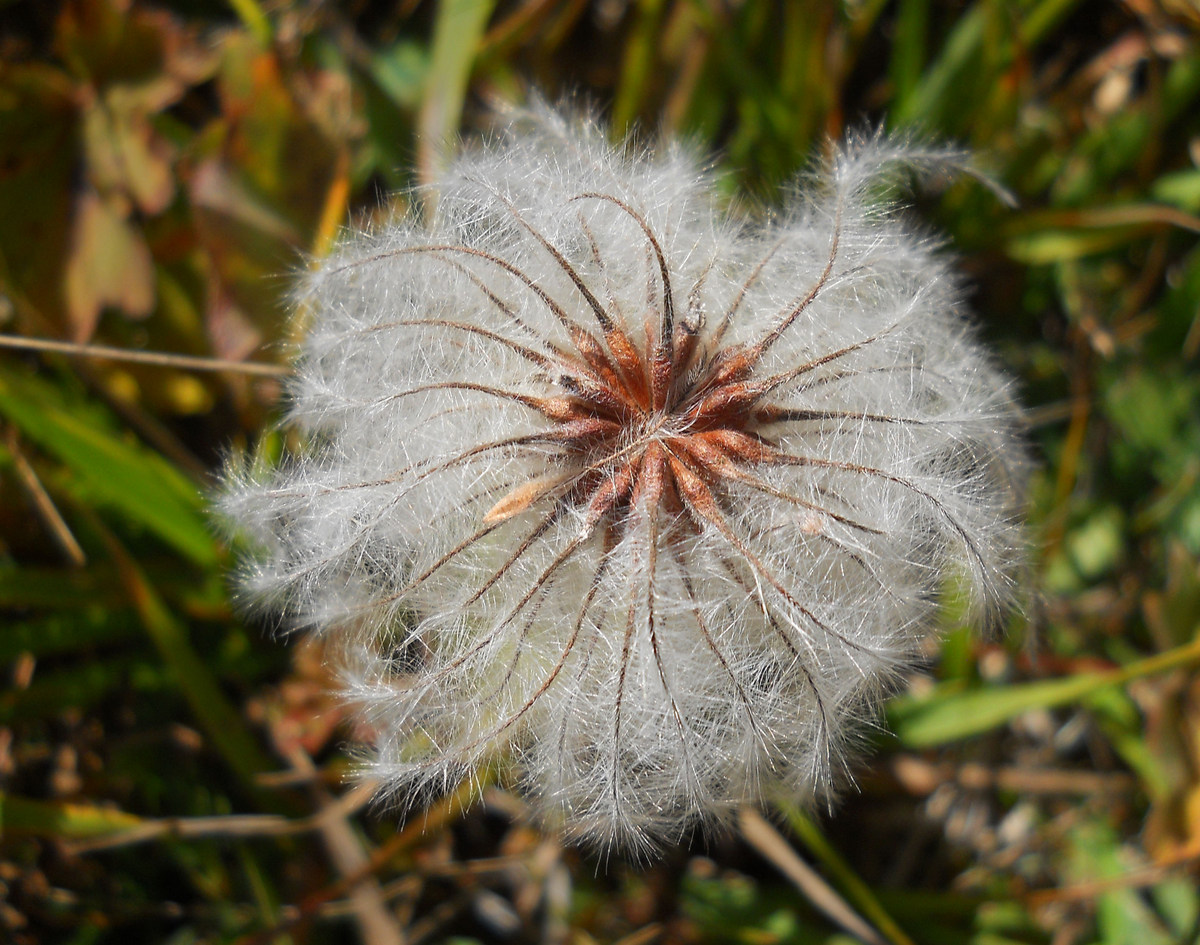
[(947, 717), (639, 59), (221, 722), (254, 19), (927, 97), (108, 469), (456, 37), (908, 49), (843, 876), (20, 815)]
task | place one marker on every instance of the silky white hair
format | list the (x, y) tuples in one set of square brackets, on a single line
[(642, 618)]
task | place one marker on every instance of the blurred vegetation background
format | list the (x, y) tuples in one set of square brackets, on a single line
[(170, 775)]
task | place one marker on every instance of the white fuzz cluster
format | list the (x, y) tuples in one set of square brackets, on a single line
[(641, 504)]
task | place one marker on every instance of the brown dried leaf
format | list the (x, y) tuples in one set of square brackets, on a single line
[(131, 64), (124, 154), (109, 264)]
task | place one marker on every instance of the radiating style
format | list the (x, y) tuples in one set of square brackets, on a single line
[(639, 501)]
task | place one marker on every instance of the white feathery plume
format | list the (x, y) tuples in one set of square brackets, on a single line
[(645, 504)]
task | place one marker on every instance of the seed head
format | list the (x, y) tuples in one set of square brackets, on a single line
[(642, 502)]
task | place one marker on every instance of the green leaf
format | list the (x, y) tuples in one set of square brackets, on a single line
[(951, 714), (21, 815), (1178, 903), (109, 469), (1051, 246), (400, 70), (1181, 189), (1123, 916), (734, 908), (1097, 545)]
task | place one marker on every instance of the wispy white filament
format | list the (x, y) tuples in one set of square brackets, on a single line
[(644, 503)]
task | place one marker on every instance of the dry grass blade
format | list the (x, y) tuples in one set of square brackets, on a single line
[(45, 506), (376, 924), (770, 844), (184, 362)]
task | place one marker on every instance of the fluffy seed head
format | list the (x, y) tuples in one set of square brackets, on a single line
[(644, 503)]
